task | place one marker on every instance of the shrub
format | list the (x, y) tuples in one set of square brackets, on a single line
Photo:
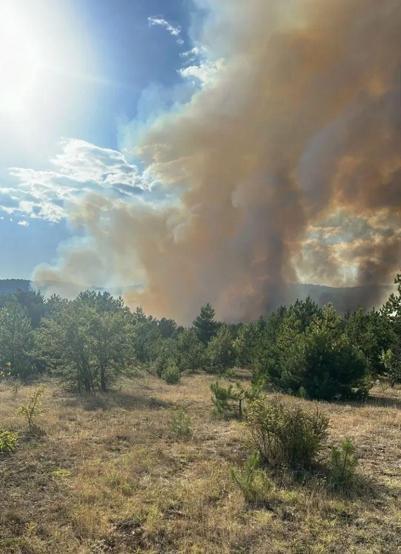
[(334, 369), (162, 363), (166, 354), (180, 424), (190, 351), (32, 410), (220, 352), (171, 374), (342, 465), (285, 435), (252, 480), (313, 355), (8, 441), (226, 400), (229, 401), (392, 365)]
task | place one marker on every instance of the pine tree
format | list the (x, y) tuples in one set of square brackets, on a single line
[(205, 324)]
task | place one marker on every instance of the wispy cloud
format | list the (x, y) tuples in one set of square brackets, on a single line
[(80, 168), (173, 30), (205, 72), (199, 66)]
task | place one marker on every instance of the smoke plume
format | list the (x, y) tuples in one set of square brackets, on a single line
[(284, 167)]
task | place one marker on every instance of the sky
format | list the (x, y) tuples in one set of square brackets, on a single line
[(80, 80)]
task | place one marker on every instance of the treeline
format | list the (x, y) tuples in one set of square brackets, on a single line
[(302, 349)]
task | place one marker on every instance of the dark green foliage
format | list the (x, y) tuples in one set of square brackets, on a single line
[(333, 366), (253, 481), (286, 435), (167, 327), (392, 310), (8, 441), (166, 354), (342, 465), (311, 354), (300, 349), (245, 344), (146, 336), (304, 313), (16, 340), (87, 341), (34, 305), (392, 365), (370, 332), (392, 315), (205, 324), (171, 374), (220, 352), (190, 351)]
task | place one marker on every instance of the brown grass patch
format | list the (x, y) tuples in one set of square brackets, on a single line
[(108, 476)]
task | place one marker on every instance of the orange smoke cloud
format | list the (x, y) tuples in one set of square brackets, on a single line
[(301, 122)]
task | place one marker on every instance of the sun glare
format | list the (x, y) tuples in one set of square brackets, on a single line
[(19, 62)]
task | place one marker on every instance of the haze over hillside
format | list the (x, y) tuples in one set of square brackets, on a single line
[(344, 299), (9, 286)]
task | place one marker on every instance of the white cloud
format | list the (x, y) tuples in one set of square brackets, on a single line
[(82, 161), (200, 66), (204, 72), (194, 53), (174, 31), (81, 167)]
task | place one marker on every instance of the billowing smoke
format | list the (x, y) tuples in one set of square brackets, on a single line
[(285, 166)]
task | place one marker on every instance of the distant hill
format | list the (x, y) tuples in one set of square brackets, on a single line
[(343, 298), (9, 286)]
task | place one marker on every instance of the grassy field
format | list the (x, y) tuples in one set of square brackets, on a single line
[(109, 475)]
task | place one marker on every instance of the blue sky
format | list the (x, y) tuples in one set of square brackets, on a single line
[(105, 69)]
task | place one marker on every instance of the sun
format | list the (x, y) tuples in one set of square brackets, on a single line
[(19, 62)]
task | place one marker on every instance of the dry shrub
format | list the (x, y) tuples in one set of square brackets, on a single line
[(286, 435)]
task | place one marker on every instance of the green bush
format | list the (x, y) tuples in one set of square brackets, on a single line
[(162, 363), (220, 352), (180, 424), (334, 369), (342, 465), (313, 355), (253, 481), (392, 365), (8, 441), (229, 401), (286, 435), (171, 374)]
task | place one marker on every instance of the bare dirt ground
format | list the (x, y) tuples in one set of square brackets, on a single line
[(108, 475)]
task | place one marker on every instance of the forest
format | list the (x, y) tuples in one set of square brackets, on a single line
[(301, 349)]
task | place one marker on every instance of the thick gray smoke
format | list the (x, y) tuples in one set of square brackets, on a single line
[(287, 166)]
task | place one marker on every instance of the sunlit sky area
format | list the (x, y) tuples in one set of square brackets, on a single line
[(79, 80)]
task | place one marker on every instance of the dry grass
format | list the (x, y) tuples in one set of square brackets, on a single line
[(109, 476)]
